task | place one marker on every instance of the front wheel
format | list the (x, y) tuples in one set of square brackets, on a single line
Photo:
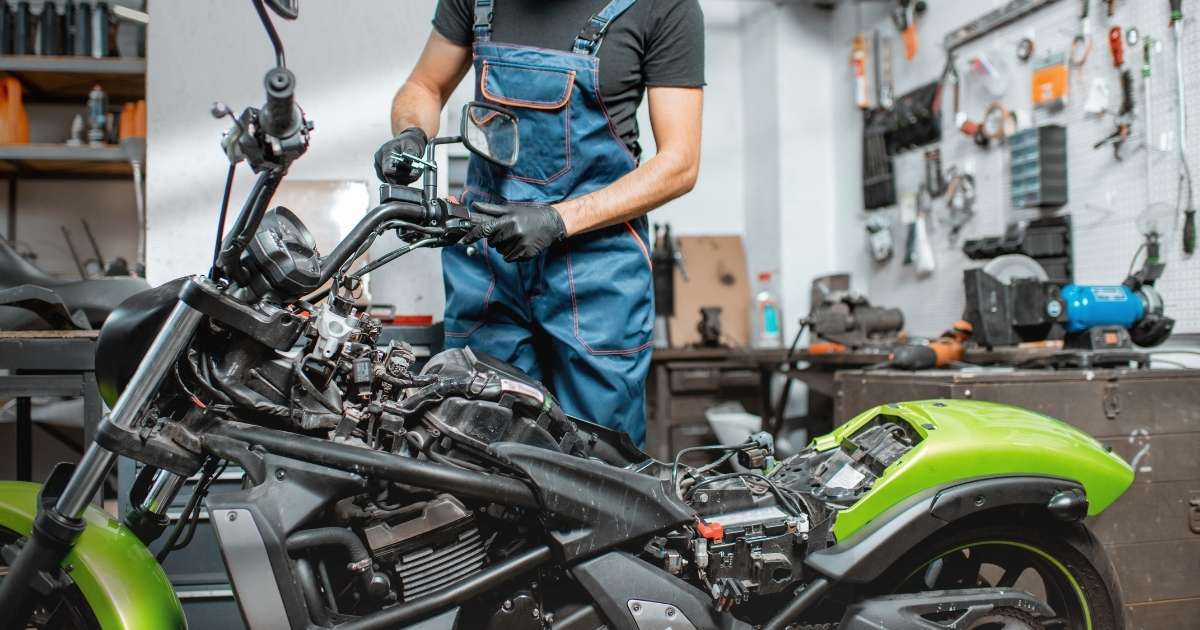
[(1062, 565), (64, 610)]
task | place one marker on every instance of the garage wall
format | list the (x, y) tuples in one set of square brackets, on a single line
[(1105, 196)]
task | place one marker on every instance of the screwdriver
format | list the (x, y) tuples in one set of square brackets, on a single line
[(1117, 45), (1189, 212)]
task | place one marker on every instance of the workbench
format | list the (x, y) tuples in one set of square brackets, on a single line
[(45, 364), (1151, 418), (685, 382)]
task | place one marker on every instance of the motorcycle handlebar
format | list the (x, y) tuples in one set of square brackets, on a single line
[(389, 211), (280, 117)]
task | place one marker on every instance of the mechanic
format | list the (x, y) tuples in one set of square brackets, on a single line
[(563, 289)]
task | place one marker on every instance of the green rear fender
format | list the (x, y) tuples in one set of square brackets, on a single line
[(122, 583), (964, 440)]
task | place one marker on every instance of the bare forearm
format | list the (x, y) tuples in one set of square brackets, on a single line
[(416, 106), (420, 100), (659, 180)]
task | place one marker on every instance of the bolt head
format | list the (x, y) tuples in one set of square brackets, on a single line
[(232, 516), (670, 612), (636, 607), (507, 605), (280, 474)]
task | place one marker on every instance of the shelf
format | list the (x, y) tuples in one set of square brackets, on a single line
[(48, 79), (59, 161)]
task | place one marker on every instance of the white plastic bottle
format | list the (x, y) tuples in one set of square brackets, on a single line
[(768, 320)]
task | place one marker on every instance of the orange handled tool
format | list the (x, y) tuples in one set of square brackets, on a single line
[(1116, 44)]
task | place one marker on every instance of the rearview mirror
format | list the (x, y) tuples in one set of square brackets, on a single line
[(286, 9), (491, 133)]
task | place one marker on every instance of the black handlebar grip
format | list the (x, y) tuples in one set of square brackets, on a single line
[(280, 117)]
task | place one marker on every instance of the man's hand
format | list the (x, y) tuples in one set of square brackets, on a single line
[(388, 165), (518, 232)]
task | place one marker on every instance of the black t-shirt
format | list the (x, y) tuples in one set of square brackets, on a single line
[(653, 43)]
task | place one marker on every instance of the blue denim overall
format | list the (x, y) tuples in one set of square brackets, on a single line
[(580, 316)]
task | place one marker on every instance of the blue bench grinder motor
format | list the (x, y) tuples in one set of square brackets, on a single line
[(1010, 301)]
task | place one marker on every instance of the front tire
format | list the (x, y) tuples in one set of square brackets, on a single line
[(1061, 564)]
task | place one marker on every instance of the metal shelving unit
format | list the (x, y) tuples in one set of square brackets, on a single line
[(60, 161), (68, 79), (62, 80)]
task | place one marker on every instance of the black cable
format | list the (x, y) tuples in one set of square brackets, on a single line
[(276, 43), (1133, 261), (779, 494), (696, 449), (212, 272), (190, 515), (215, 395), (310, 387), (1165, 351), (777, 418), (1169, 363)]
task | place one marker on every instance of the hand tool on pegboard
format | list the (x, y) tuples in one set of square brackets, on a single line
[(905, 17), (858, 62), (1124, 115), (1185, 174)]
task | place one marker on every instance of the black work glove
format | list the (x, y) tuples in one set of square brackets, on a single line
[(518, 232), (388, 165)]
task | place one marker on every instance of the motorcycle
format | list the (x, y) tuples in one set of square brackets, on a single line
[(461, 495)]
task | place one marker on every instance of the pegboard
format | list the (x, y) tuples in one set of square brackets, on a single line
[(1106, 195)]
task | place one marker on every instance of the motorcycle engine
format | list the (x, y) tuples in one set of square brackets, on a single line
[(429, 546)]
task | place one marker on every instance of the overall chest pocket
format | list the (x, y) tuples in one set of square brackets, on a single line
[(539, 97)]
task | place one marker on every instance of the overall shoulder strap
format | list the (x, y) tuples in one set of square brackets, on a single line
[(483, 20), (589, 39)]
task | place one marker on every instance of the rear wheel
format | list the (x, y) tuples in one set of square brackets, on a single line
[(1064, 566), (64, 610)]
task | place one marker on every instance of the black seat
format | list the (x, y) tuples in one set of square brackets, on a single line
[(94, 298)]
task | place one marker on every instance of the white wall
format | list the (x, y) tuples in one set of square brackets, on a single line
[(716, 205), (348, 59)]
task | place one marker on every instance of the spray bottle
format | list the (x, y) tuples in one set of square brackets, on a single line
[(768, 332)]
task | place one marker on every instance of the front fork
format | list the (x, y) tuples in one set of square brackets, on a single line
[(56, 528)]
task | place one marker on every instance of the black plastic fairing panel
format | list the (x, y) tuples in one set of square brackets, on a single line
[(866, 554), (291, 495), (127, 334), (593, 506), (617, 578)]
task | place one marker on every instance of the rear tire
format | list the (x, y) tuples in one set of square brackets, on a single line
[(1062, 564), (65, 610)]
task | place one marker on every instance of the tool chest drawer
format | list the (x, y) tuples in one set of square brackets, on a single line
[(1151, 418)]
